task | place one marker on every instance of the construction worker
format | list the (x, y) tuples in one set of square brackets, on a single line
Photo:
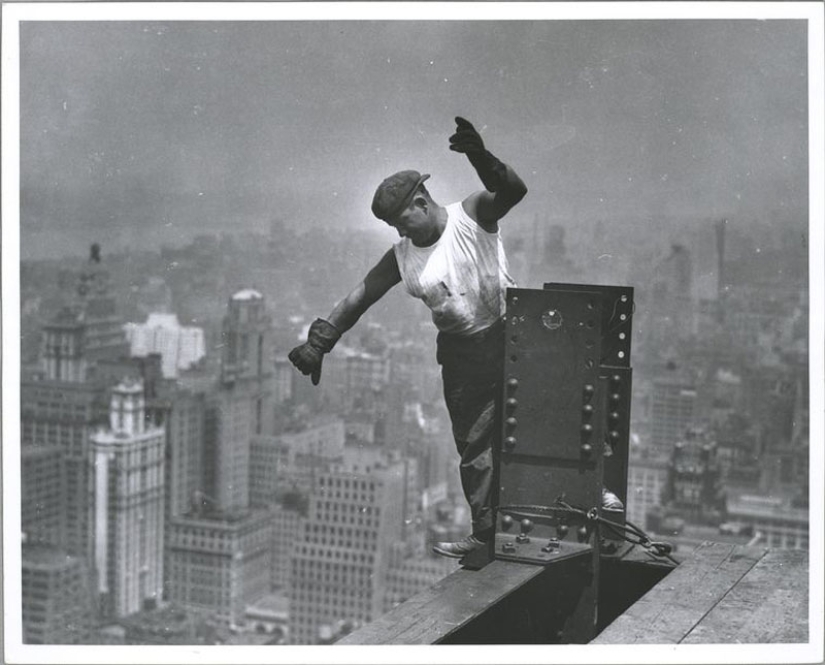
[(452, 258)]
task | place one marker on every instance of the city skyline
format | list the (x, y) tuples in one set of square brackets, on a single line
[(142, 134)]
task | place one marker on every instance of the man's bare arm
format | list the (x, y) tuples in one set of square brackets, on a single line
[(380, 279), (323, 334), (487, 208)]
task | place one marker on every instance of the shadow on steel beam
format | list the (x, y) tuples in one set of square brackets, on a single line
[(544, 611)]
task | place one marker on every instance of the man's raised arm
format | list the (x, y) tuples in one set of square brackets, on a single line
[(325, 333), (504, 187)]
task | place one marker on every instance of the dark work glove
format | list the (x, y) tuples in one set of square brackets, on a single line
[(309, 356), (467, 140)]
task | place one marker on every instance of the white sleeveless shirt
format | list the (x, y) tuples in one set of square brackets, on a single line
[(462, 277)]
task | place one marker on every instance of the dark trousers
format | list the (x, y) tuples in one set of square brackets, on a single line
[(471, 370)]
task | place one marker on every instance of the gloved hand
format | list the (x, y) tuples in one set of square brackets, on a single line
[(309, 356), (468, 141)]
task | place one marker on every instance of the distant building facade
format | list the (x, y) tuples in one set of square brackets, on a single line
[(775, 521), (43, 495), (341, 560), (57, 603), (646, 482), (128, 462), (220, 563), (673, 411), (179, 346)]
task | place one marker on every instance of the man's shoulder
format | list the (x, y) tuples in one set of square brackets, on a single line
[(468, 212)]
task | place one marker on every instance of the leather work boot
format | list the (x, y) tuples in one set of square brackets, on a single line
[(459, 548)]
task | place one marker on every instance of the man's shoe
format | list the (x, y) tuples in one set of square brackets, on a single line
[(460, 548), (610, 501)]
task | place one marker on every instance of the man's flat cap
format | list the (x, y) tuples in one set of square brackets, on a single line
[(395, 193)]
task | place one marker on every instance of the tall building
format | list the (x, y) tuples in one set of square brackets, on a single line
[(673, 410), (43, 495), (57, 598), (219, 551), (289, 461), (183, 420), (220, 563), (341, 560), (128, 506), (184, 410), (694, 489), (283, 472), (282, 380), (646, 482), (241, 405), (287, 520), (179, 346), (66, 401)]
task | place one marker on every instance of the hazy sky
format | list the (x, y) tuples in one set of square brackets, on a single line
[(141, 132)]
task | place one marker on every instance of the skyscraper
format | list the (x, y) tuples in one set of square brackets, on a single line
[(57, 601), (66, 400), (241, 406), (43, 495), (183, 418), (341, 561), (219, 551), (673, 410), (128, 506), (220, 563)]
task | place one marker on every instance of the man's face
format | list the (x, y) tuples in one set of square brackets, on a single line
[(414, 223)]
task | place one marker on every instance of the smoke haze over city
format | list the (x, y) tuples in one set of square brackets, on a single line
[(140, 132)]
